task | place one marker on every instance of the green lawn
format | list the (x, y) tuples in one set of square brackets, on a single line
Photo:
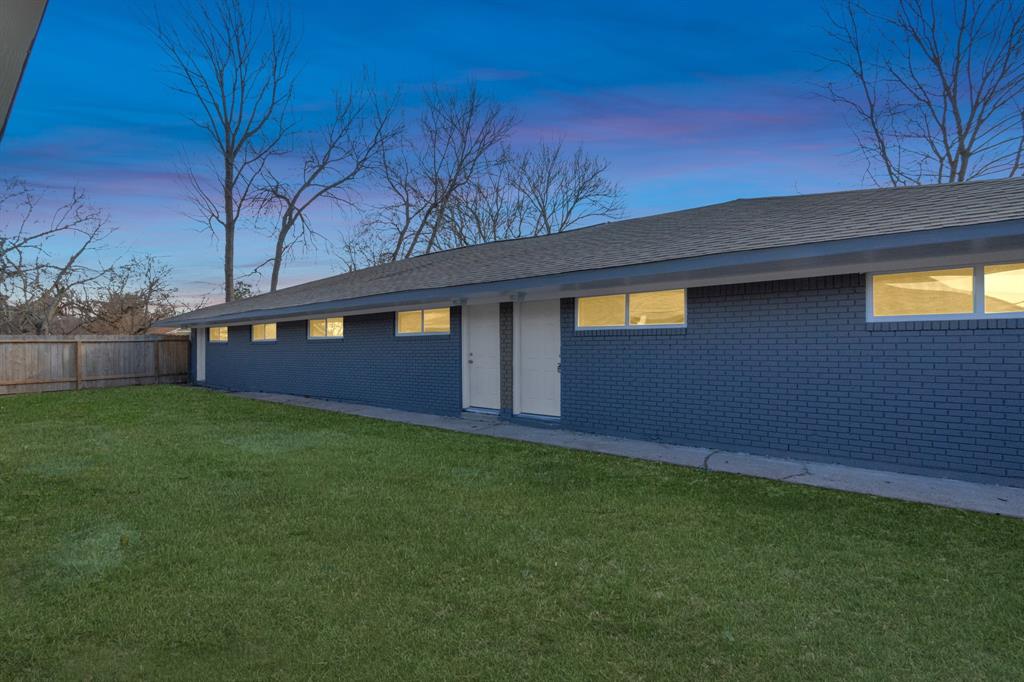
[(170, 532)]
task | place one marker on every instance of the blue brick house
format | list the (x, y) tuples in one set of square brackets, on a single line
[(878, 328)]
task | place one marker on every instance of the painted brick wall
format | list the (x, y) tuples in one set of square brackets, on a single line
[(192, 356), (505, 335), (791, 368), (369, 365)]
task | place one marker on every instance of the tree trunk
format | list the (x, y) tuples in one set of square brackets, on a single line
[(282, 236), (229, 228), (229, 262)]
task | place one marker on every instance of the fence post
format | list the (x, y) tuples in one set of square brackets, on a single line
[(156, 362), (78, 365)]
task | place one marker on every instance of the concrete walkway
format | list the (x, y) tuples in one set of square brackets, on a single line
[(990, 499)]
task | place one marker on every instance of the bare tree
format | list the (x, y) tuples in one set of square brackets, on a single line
[(459, 182), (563, 191), (24, 234), (235, 60), (36, 286), (935, 91), (129, 300), (539, 191), (491, 207), (53, 279), (334, 164), (422, 175)]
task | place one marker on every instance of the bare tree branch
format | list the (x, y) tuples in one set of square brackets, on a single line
[(457, 181), (563, 191), (53, 279), (235, 61), (934, 91), (129, 300), (454, 144), (35, 285), (335, 162)]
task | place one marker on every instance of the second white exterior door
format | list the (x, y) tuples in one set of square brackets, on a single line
[(538, 357), (482, 361)]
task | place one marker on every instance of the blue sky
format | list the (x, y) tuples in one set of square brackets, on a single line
[(690, 102)]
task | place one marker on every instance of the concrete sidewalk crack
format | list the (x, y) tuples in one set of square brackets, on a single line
[(708, 458), (803, 472)]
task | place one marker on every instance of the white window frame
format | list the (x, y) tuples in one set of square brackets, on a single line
[(421, 332), (325, 337), (626, 324), (209, 333), (252, 333), (979, 296)]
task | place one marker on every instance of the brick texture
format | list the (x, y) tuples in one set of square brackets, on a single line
[(369, 365), (791, 368), (192, 336), (786, 368), (505, 353)]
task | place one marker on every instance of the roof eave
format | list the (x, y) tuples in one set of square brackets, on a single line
[(862, 254), (18, 33)]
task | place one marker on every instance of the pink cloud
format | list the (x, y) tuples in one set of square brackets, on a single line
[(669, 114)]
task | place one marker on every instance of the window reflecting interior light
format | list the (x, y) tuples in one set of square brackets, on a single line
[(264, 332), (601, 311), (657, 307), (410, 321), (437, 320), (1004, 288), (934, 292), (331, 327)]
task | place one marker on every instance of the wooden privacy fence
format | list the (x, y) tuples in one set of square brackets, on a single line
[(30, 364)]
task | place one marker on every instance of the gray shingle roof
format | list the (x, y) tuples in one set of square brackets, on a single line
[(739, 225)]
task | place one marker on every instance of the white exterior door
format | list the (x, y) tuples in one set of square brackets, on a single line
[(482, 359), (538, 357), (201, 354)]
